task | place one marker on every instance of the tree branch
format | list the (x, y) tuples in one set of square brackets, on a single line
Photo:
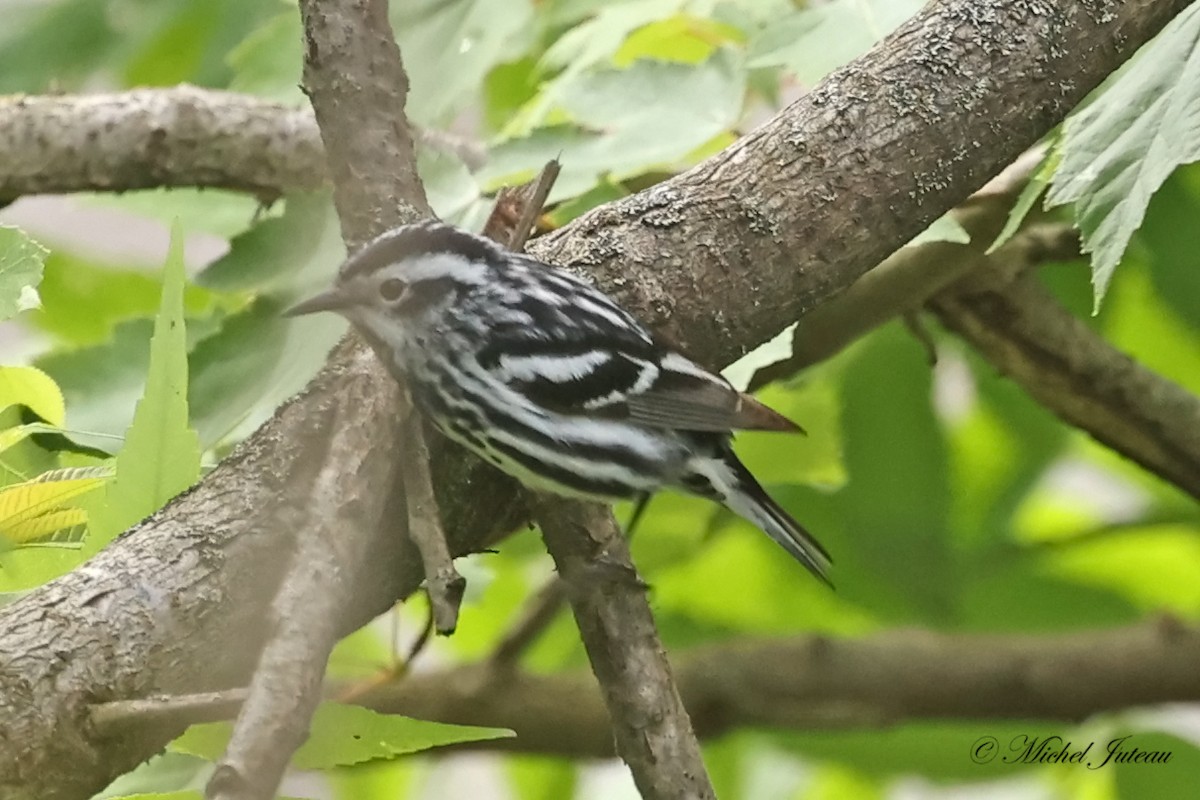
[(816, 682), (355, 80), (798, 683), (1072, 371), (147, 614), (651, 728), (148, 138), (181, 136)]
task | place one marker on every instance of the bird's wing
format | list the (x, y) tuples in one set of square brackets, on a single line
[(687, 397), (627, 379), (591, 357)]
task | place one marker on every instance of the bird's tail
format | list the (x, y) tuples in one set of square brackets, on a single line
[(732, 485)]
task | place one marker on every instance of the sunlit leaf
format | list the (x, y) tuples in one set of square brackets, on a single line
[(24, 501), (1151, 776), (343, 734), (1119, 149), (161, 454), (30, 387), (45, 525), (684, 37), (1030, 193), (21, 261)]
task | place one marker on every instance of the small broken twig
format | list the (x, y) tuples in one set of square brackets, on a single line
[(443, 583)]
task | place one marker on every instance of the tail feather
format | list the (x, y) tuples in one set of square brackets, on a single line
[(734, 487)]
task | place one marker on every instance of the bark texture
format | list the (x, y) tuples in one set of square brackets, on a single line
[(781, 221)]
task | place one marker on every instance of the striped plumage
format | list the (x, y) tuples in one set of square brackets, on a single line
[(550, 380)]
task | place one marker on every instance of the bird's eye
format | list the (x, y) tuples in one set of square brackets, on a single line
[(391, 289)]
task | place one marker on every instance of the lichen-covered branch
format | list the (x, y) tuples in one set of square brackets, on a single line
[(786, 218), (147, 138)]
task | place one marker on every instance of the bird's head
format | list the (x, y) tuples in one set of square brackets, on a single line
[(400, 283)]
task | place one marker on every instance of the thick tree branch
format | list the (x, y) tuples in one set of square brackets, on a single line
[(815, 682), (181, 136), (1073, 372), (286, 685), (355, 80), (798, 683), (833, 184), (185, 136)]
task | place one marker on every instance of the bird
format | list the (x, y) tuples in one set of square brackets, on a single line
[(548, 378)]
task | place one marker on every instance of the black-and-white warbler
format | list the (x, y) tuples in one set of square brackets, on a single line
[(550, 380)]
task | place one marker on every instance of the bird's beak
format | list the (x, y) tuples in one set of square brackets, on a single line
[(328, 300)]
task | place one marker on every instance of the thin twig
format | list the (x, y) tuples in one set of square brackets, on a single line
[(443, 583), (533, 205), (110, 719)]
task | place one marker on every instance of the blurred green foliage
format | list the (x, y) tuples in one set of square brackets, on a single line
[(949, 499)]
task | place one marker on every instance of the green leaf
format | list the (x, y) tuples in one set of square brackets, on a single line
[(656, 112), (449, 48), (816, 40), (936, 750), (1157, 568), (899, 561), (21, 261), (30, 387), (44, 44), (166, 772), (815, 458), (343, 734), (216, 211), (34, 509), (102, 383), (256, 361), (542, 777), (83, 302), (269, 60), (1176, 777), (286, 256), (1170, 239), (1030, 193), (161, 455), (599, 38), (397, 778), (1119, 149), (626, 122), (686, 38)]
